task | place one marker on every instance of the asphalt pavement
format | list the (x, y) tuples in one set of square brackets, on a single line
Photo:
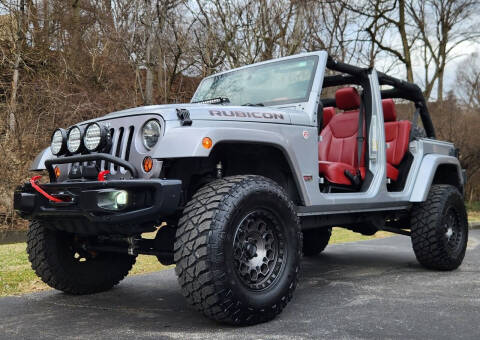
[(369, 289)]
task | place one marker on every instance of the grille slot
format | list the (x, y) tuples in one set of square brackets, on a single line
[(131, 129), (106, 165), (122, 139), (118, 146)]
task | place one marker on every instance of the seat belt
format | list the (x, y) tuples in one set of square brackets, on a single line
[(356, 179), (360, 137), (319, 119)]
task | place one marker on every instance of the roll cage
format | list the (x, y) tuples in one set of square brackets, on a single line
[(359, 76)]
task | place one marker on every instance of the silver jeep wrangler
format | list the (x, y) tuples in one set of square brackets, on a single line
[(238, 183)]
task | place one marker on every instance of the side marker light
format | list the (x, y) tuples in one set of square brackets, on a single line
[(207, 142), (147, 164)]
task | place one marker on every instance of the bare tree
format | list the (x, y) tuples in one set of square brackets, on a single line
[(468, 82), (388, 15), (443, 26), (149, 64), (331, 26), (19, 43)]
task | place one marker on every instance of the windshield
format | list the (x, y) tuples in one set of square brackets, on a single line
[(282, 82)]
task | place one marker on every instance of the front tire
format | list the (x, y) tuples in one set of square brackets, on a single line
[(440, 229), (58, 260), (238, 250)]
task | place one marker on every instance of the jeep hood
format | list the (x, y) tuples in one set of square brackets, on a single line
[(220, 112)]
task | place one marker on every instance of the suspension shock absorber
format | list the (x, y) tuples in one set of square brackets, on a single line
[(219, 170)]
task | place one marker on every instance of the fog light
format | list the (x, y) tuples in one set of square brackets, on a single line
[(112, 199)]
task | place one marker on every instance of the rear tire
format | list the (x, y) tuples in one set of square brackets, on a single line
[(62, 265), (238, 250), (315, 240), (440, 229)]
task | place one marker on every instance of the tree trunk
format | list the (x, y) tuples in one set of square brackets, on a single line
[(404, 37), (440, 86), (16, 68), (13, 98), (149, 86), (148, 100), (46, 25), (75, 46), (109, 14)]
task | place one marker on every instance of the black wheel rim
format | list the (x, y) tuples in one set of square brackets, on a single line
[(452, 229), (75, 251), (259, 250)]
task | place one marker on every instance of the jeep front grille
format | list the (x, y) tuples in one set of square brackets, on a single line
[(122, 138), (123, 135)]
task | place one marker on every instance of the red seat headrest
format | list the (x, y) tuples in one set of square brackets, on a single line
[(328, 113), (347, 98), (389, 112)]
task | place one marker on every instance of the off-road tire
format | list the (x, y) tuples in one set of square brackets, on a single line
[(315, 240), (53, 260), (205, 243), (440, 229)]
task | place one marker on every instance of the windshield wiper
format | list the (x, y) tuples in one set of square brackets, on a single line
[(217, 100), (250, 104)]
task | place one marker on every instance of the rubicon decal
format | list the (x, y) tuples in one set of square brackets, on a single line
[(243, 114)]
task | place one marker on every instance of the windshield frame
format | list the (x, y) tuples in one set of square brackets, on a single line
[(310, 103), (278, 63)]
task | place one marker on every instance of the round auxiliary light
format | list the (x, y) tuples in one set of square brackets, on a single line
[(95, 137), (74, 139), (151, 133), (58, 144)]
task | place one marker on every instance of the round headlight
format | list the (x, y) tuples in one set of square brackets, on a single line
[(57, 146), (74, 139), (95, 137), (151, 133)]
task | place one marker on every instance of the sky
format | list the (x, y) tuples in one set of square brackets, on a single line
[(461, 53)]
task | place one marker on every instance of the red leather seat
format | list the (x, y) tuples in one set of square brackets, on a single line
[(337, 149), (397, 134), (328, 113)]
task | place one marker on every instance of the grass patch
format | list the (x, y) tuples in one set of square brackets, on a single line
[(473, 206), (473, 209), (16, 276), (474, 216), (340, 235)]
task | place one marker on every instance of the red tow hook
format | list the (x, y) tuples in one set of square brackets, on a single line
[(102, 174), (33, 182)]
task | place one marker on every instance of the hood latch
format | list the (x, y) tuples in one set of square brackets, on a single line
[(184, 116)]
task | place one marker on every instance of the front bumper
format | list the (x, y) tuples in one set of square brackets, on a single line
[(150, 201)]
